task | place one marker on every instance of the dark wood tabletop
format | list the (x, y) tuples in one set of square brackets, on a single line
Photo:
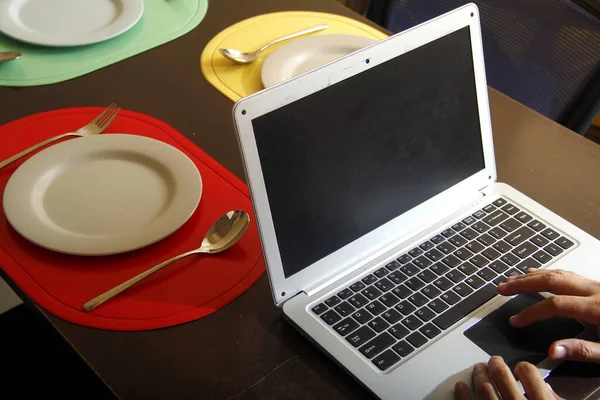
[(246, 350)]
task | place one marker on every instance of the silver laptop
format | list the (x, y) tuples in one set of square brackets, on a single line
[(384, 229)]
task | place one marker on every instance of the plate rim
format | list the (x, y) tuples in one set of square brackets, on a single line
[(15, 201)]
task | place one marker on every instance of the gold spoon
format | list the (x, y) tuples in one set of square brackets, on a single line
[(224, 233), (9, 55)]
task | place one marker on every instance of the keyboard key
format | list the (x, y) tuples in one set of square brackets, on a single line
[(409, 269), (415, 283), (425, 314), (422, 262), (467, 268), (495, 218), (499, 280), (346, 326), (450, 297), (469, 220), (542, 256), (427, 276), (451, 261), (498, 233), (463, 289), (402, 291), (480, 227), (475, 246), (463, 253), (486, 274), (384, 285), (446, 247), (430, 331), (381, 272), (553, 249), (357, 286), (416, 339), (434, 254), (418, 299), (459, 226), (491, 253), (466, 306), (331, 317), (393, 265), (479, 260), (377, 345), (369, 279), (404, 258), (524, 250), (319, 308), (475, 282), (398, 331), (498, 266), (502, 246), (479, 214), (362, 316), (344, 294), (345, 309), (437, 239), (523, 217), (403, 348), (513, 272), (397, 277), (358, 300), (405, 307), (412, 322), (333, 301), (536, 225), (510, 259), (389, 299), (375, 307), (529, 263), (455, 276), (489, 208), (443, 283), (438, 306), (564, 242), (540, 240), (499, 202), (378, 324), (468, 234), (448, 232), (510, 209), (426, 246), (415, 252), (486, 239), (439, 268), (372, 292), (431, 291), (392, 316), (510, 225), (519, 236), (360, 336), (457, 240), (550, 233), (385, 360)]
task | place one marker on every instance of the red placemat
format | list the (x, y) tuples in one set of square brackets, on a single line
[(187, 290)]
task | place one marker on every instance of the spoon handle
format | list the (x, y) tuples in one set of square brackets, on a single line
[(109, 294), (296, 34)]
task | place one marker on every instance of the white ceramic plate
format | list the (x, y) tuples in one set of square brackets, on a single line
[(103, 194), (308, 53), (68, 22)]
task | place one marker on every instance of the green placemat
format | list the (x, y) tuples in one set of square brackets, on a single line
[(163, 21)]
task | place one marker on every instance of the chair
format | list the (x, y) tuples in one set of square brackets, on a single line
[(543, 53)]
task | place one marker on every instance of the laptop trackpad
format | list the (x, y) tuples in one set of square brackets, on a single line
[(496, 336)]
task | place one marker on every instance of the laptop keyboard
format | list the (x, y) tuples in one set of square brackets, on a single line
[(397, 308)]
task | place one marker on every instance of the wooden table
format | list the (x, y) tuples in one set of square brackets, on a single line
[(246, 350)]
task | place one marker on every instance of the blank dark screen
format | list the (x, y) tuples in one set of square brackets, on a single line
[(347, 159)]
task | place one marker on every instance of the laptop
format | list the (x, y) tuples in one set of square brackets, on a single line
[(384, 228)]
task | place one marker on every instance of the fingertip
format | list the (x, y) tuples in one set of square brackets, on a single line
[(514, 320)]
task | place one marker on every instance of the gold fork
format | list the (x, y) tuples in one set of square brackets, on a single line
[(98, 125)]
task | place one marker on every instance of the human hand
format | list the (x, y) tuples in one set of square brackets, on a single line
[(494, 381), (576, 297)]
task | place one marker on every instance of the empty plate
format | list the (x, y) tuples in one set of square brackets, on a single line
[(308, 53), (67, 22), (103, 194)]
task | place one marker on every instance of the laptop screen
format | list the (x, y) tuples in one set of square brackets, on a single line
[(347, 159)]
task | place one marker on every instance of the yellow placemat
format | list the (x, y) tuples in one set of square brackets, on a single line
[(237, 81)]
